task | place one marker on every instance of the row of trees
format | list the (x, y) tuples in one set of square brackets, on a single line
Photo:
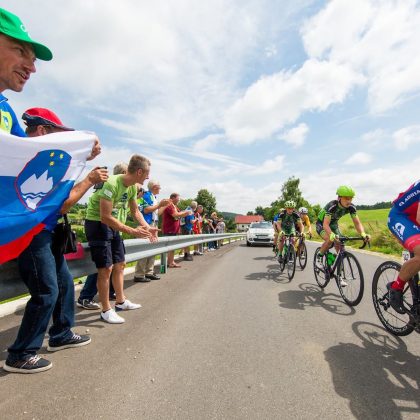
[(289, 191)]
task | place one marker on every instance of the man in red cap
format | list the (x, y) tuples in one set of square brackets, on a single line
[(45, 272)]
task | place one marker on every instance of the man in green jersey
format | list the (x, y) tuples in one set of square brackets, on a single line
[(103, 229), (327, 223), (286, 222)]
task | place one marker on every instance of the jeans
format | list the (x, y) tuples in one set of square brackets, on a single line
[(51, 288), (90, 288)]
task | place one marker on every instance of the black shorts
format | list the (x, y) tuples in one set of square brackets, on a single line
[(106, 245)]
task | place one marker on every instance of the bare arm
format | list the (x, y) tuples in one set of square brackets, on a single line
[(134, 210), (79, 190), (358, 225), (108, 219)]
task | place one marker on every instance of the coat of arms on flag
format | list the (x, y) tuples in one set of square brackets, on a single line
[(36, 177)]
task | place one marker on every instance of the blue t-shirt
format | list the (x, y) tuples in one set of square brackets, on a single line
[(188, 225), (147, 200), (8, 121)]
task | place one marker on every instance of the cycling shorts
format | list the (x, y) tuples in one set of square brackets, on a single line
[(320, 229), (404, 229)]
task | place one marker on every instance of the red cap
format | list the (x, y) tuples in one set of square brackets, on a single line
[(43, 116)]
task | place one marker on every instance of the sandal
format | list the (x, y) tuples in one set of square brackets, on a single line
[(174, 265)]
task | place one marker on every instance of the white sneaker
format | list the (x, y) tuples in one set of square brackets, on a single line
[(127, 306), (343, 283), (112, 317)]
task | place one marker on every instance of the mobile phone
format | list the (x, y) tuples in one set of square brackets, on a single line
[(99, 185)]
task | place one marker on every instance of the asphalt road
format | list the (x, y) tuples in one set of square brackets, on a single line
[(226, 337)]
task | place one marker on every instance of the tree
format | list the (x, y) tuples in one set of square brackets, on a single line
[(259, 211), (184, 203), (207, 200), (290, 191)]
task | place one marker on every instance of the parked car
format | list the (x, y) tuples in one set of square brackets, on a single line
[(260, 233)]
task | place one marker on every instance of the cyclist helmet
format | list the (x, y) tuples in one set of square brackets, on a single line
[(345, 191), (290, 204), (303, 210)]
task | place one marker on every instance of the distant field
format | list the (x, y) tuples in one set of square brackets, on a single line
[(371, 219), (375, 224)]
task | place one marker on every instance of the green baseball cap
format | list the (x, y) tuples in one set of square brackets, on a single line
[(12, 26)]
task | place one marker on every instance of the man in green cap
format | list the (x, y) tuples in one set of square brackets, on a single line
[(18, 52)]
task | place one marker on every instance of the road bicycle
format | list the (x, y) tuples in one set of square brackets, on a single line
[(288, 256), (395, 323), (302, 252), (344, 268)]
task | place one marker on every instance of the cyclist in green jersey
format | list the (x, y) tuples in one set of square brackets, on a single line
[(286, 223), (328, 217)]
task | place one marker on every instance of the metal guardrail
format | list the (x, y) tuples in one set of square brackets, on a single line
[(11, 285)]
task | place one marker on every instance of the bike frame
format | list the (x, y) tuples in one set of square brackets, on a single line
[(341, 253)]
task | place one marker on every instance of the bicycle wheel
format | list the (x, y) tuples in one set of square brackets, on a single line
[(350, 280), (291, 262), (281, 261), (302, 255), (394, 322), (320, 271)]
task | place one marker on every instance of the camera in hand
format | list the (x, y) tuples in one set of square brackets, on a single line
[(99, 185)]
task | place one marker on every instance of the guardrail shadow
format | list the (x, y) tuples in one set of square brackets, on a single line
[(379, 377), (310, 296)]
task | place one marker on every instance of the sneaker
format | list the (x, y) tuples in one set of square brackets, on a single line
[(32, 364), (188, 257), (112, 317), (87, 304), (395, 299), (112, 296), (212, 249), (343, 283), (127, 306), (152, 276), (141, 279), (198, 253), (75, 341)]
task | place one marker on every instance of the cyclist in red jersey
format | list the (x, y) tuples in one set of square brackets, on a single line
[(404, 223)]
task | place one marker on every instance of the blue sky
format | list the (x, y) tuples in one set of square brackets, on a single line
[(237, 96)]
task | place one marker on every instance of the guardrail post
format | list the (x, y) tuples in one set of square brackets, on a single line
[(163, 263)]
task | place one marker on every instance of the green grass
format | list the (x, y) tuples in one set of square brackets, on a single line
[(375, 224)]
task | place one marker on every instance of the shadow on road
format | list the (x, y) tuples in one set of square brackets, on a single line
[(272, 274), (310, 295), (379, 377)]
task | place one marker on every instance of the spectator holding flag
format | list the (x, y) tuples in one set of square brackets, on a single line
[(45, 274)]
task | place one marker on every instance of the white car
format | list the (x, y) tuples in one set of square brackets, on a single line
[(260, 233)]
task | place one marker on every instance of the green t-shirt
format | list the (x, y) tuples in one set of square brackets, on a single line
[(115, 191)]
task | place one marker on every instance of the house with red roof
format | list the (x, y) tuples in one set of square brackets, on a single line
[(242, 222)]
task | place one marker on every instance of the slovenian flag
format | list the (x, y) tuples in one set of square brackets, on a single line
[(36, 176)]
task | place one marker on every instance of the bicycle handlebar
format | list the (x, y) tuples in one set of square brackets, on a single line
[(354, 238)]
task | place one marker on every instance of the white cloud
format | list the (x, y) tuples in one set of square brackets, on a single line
[(359, 158), (270, 166), (375, 136), (406, 137), (274, 101), (296, 135), (372, 186), (209, 142), (376, 38)]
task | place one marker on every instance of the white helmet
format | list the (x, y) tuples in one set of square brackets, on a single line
[(303, 210)]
